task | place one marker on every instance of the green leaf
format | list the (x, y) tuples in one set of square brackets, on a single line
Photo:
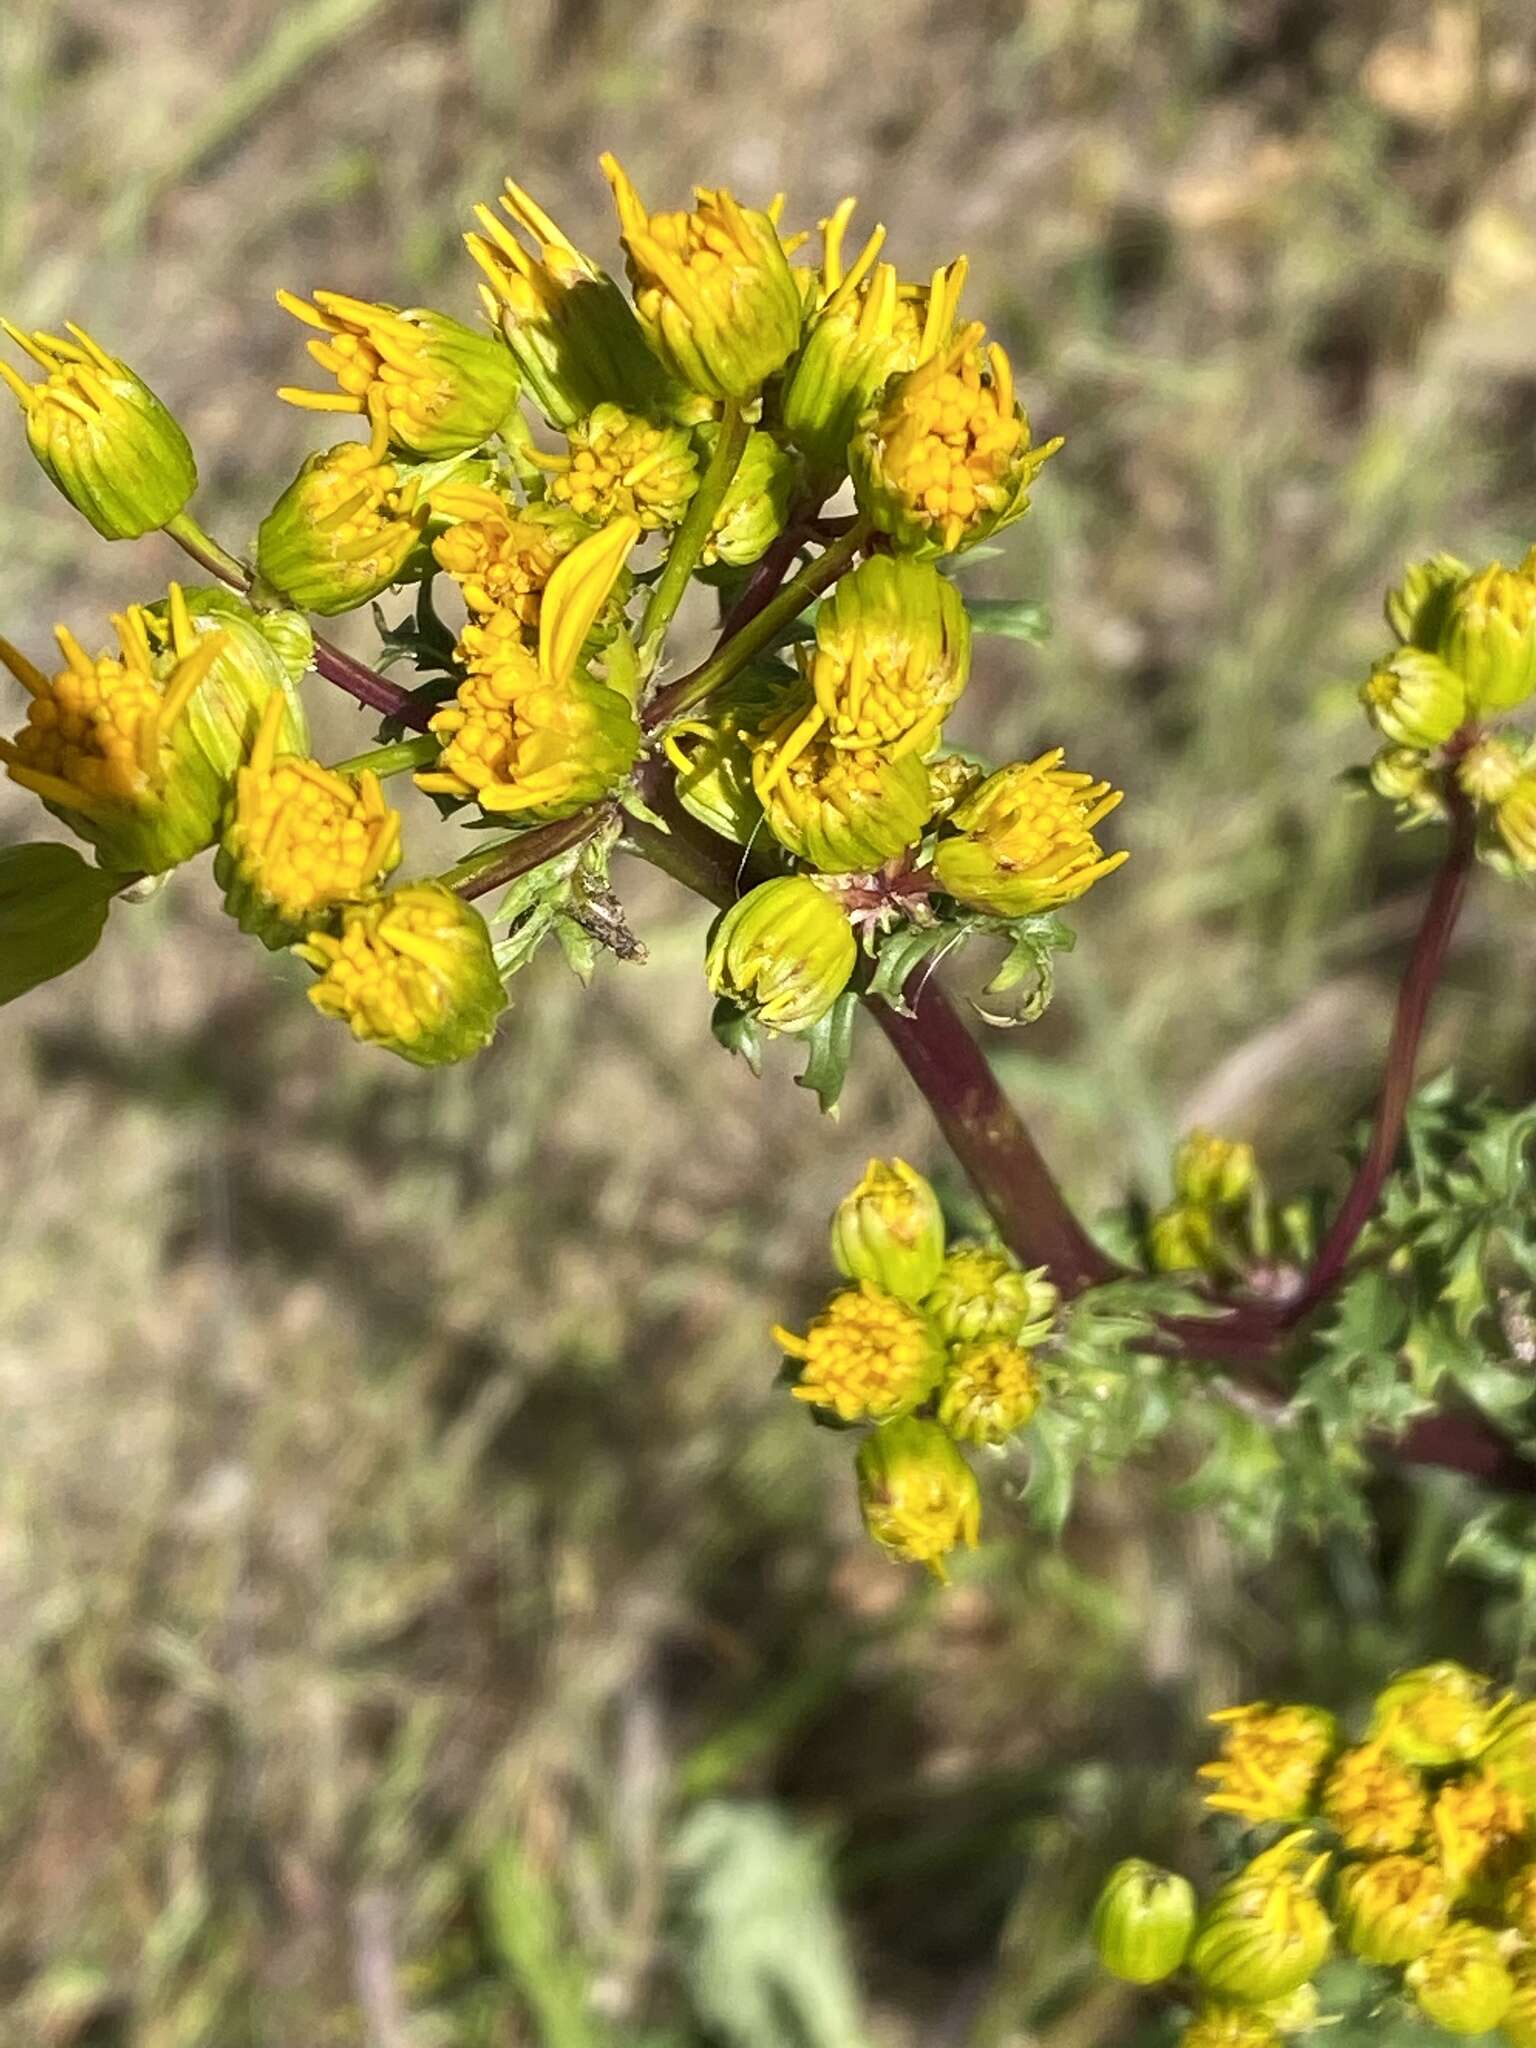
[(829, 1045), (53, 907), (1009, 618), (902, 950), (738, 1033), (1029, 963)]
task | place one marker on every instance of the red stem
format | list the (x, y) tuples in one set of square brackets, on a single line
[(369, 687)]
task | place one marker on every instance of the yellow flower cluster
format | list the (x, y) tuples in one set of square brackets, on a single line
[(1419, 1847), (930, 1346)]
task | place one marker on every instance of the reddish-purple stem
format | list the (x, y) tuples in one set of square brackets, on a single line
[(369, 687)]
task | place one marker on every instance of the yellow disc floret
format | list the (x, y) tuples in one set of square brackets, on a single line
[(502, 555), (989, 1391), (623, 466), (868, 1357), (1024, 841)]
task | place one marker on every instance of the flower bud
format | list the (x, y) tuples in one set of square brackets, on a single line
[(943, 459), (1213, 1170), (712, 753), (890, 1229), (1511, 1757), (412, 971), (101, 435), (568, 325), (1181, 1239), (539, 736), (262, 656), (1435, 1715), (344, 530), (1230, 2026), (1415, 699), (1404, 777), (918, 1497), (1264, 1933), (755, 508), (989, 1391), (1519, 2022), (1143, 1922), (953, 777), (1271, 1760), (713, 289), (1025, 839), (981, 1296), (1416, 608), (1514, 817), (440, 387), (841, 811), (1519, 1902), (123, 748), (502, 555), (300, 840), (622, 466), (1393, 1909), (1462, 1983), (784, 953), (1489, 637), (867, 1357), (1490, 769), (1478, 1825), (1375, 1805)]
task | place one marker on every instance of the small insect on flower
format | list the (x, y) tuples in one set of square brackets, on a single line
[(101, 435), (1271, 1761), (440, 387), (867, 1357), (784, 953), (918, 1497), (1024, 841)]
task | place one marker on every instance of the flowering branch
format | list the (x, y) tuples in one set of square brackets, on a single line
[(689, 541)]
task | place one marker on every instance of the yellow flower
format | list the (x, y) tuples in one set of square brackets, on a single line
[(345, 528), (1407, 779), (1391, 1910), (567, 323), (981, 1296), (1511, 1757), (412, 971), (101, 434), (300, 839), (623, 467), (755, 508), (1414, 699), (1230, 2026), (1478, 1823), (1489, 637), (918, 1497), (1143, 1921), (839, 810), (1214, 1170), (538, 735), (1271, 1760), (989, 1391), (441, 388), (1374, 1804), (1489, 771), (1025, 839), (1519, 1902), (1462, 1983), (867, 1357), (1519, 2022), (1416, 608), (1182, 1239), (890, 1229), (109, 744), (1435, 1715), (1264, 1932), (502, 555), (1514, 815), (943, 457), (713, 288), (784, 953)]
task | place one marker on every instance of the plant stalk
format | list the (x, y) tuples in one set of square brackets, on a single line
[(692, 536)]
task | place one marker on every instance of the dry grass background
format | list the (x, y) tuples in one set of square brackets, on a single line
[(423, 1624)]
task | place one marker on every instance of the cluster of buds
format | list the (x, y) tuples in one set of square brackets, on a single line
[(929, 1347), (1465, 656), (1222, 1222), (568, 466), (1411, 1849)]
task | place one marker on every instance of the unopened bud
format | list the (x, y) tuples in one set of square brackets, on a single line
[(918, 1497), (1462, 1982), (1144, 1922), (890, 1229), (784, 953)]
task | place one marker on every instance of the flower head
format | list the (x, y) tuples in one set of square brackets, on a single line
[(867, 1357), (502, 555), (1416, 608), (345, 528), (1435, 1715), (624, 466), (1478, 1827), (1406, 778), (755, 508), (1271, 1760), (1462, 1982), (981, 1296), (111, 744), (711, 753), (1519, 1902), (1489, 635), (784, 953), (1415, 699), (1143, 1922), (989, 1391), (538, 735), (441, 388), (1511, 1756), (101, 434), (840, 810), (943, 458), (890, 1229), (1375, 1805), (918, 1497), (713, 288), (300, 840), (1514, 818), (1024, 841), (568, 325), (412, 971), (1213, 1170), (1392, 1909), (1264, 1932)]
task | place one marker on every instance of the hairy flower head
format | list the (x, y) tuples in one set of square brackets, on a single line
[(1024, 840), (989, 1391), (784, 953), (412, 971), (1375, 1805), (918, 1497), (867, 1357), (440, 387), (101, 435), (1271, 1760)]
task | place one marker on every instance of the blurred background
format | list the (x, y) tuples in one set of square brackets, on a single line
[(424, 1622)]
